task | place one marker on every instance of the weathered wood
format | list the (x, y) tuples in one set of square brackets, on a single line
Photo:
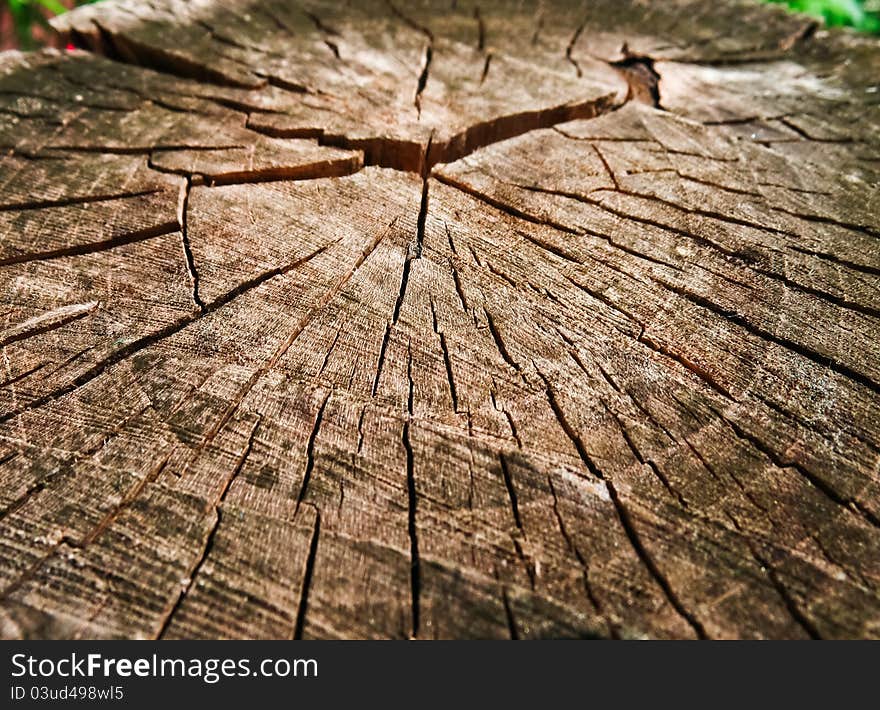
[(508, 319)]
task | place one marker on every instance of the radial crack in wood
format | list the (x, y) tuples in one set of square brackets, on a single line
[(392, 320)]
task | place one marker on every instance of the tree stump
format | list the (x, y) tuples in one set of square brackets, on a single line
[(512, 319)]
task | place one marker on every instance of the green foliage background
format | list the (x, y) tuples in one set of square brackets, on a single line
[(863, 15), (27, 14)]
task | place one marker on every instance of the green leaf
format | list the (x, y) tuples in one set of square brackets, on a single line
[(835, 13), (53, 6)]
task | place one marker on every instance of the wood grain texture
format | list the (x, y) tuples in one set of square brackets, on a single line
[(505, 319)]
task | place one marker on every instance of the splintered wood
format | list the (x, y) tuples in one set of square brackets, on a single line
[(393, 319)]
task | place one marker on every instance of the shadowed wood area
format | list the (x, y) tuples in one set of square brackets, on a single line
[(404, 319)]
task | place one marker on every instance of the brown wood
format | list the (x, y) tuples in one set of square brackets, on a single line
[(509, 319)]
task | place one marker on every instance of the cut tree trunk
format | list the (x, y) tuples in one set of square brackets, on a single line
[(392, 319)]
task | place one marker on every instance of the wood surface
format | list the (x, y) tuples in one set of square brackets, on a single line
[(512, 319)]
